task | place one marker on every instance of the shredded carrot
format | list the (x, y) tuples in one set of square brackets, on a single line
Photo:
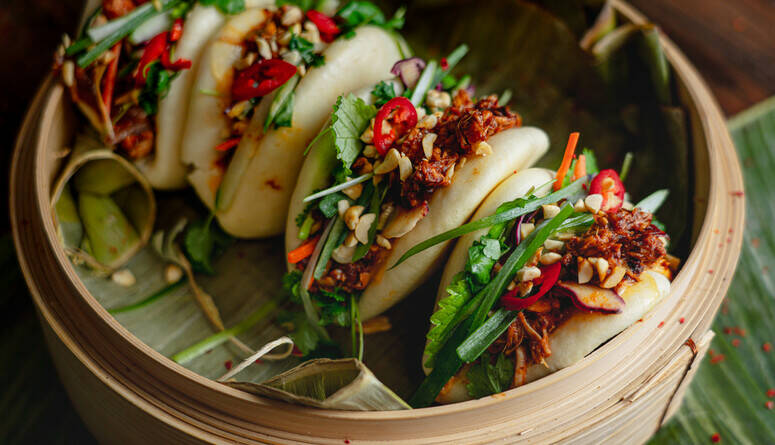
[(566, 159), (580, 170), (228, 144), (303, 251)]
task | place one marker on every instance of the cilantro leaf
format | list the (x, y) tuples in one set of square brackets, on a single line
[(202, 242), (333, 307), (486, 379), (303, 334), (291, 281), (458, 295), (482, 256), (226, 6), (383, 92), (157, 85), (350, 118), (303, 215), (306, 50)]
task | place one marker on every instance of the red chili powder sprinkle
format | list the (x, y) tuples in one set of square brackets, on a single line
[(681, 320), (661, 323), (766, 346), (258, 361), (755, 242), (740, 332), (727, 330), (715, 438), (769, 404), (710, 271), (711, 352), (347, 441), (731, 231), (716, 231), (737, 193), (736, 342), (296, 351), (771, 393), (227, 365), (717, 358)]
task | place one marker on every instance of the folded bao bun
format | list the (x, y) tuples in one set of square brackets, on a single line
[(584, 331), (163, 169), (449, 207), (256, 187)]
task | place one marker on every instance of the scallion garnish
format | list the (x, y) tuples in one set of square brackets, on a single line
[(654, 201), (339, 187), (524, 207), (424, 84)]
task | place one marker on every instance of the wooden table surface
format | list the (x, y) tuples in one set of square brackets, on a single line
[(732, 43)]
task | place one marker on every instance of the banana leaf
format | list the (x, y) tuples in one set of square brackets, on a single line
[(729, 395), (345, 384)]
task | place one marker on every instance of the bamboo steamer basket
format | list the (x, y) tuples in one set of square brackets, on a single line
[(623, 392)]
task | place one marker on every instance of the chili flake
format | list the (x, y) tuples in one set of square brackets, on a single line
[(736, 342), (227, 364), (771, 393), (766, 346), (717, 359), (661, 323), (769, 404), (681, 320), (715, 438)]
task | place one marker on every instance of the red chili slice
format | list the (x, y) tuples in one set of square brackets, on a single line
[(405, 117), (228, 144), (177, 30), (261, 79), (153, 50), (180, 64), (325, 24), (549, 276), (608, 184)]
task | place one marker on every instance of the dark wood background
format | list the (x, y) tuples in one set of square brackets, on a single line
[(732, 43)]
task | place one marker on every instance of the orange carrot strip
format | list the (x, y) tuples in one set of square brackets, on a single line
[(580, 170), (566, 159), (303, 251)]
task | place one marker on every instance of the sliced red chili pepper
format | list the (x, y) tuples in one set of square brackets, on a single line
[(325, 24), (180, 64), (608, 184), (549, 276), (177, 30), (261, 79), (153, 50), (405, 118), (228, 144), (109, 81)]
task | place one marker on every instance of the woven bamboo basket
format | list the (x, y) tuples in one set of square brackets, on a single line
[(127, 392)]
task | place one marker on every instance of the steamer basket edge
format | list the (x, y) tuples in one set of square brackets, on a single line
[(724, 176)]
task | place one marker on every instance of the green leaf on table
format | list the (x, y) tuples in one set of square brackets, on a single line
[(729, 394)]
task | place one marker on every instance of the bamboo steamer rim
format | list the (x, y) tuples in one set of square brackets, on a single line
[(725, 178)]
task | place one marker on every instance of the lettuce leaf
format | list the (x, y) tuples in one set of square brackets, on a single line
[(458, 295), (486, 378)]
